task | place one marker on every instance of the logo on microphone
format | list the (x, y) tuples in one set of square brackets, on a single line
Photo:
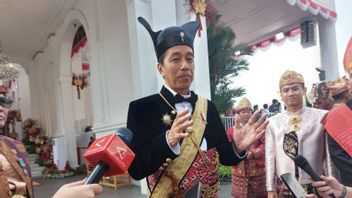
[(120, 152), (100, 142)]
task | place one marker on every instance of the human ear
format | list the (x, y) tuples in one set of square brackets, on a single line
[(160, 68)]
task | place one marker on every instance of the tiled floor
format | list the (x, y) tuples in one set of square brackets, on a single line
[(49, 187)]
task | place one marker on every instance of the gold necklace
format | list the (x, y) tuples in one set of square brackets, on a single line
[(174, 111)]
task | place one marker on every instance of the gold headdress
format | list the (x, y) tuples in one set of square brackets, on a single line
[(290, 77), (243, 104), (338, 86)]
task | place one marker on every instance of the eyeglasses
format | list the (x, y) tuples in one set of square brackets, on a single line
[(5, 102)]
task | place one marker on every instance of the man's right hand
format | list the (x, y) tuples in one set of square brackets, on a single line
[(179, 126), (272, 194)]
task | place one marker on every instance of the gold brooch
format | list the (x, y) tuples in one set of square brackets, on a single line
[(167, 120)]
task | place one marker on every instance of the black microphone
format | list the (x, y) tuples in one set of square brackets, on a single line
[(110, 154), (302, 162)]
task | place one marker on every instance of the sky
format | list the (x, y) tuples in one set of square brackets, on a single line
[(266, 65), (261, 81)]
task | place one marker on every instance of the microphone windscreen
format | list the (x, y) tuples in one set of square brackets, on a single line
[(302, 162), (125, 134)]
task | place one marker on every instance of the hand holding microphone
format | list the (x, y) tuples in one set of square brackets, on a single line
[(302, 162), (110, 154), (77, 189)]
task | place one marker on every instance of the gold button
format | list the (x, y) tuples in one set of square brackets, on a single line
[(168, 160), (165, 164), (161, 168)]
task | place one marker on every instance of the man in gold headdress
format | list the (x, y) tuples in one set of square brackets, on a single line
[(338, 123), (178, 136), (297, 130), (248, 177)]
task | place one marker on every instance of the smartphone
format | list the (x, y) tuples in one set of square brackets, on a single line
[(293, 185)]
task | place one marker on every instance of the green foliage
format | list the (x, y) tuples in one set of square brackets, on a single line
[(39, 162), (30, 149), (224, 171), (223, 65), (223, 97)]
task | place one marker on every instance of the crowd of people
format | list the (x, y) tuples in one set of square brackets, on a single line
[(179, 139)]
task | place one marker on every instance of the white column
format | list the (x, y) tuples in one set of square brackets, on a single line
[(51, 86), (98, 86), (41, 94), (66, 94), (163, 15), (328, 49), (143, 59), (201, 82)]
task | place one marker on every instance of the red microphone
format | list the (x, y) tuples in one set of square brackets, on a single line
[(111, 155)]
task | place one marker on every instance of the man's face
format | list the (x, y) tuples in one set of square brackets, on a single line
[(293, 94), (245, 115), (177, 68), (4, 109)]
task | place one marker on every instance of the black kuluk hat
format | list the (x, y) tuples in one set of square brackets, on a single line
[(171, 36)]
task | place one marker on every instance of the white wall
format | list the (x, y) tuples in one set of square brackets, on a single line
[(118, 66)]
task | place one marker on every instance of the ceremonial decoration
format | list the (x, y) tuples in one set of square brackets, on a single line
[(199, 7), (37, 142), (347, 59), (80, 81), (52, 172)]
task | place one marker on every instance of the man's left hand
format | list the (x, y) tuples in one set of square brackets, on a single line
[(244, 137)]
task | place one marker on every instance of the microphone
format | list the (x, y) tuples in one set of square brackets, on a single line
[(302, 162), (111, 155)]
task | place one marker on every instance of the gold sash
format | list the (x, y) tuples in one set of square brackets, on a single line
[(189, 150)]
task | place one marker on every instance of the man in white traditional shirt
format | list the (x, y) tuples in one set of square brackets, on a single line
[(297, 130)]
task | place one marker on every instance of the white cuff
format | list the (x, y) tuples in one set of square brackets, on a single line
[(176, 149)]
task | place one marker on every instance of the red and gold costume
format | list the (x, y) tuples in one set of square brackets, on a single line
[(248, 177)]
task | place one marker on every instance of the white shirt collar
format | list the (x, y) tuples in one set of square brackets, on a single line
[(174, 92)]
